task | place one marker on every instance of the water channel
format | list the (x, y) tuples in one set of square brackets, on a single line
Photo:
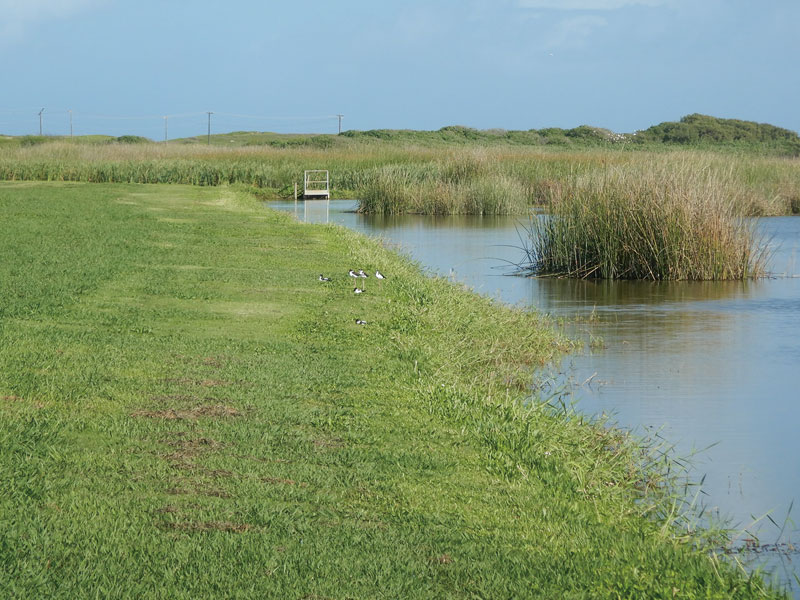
[(709, 366)]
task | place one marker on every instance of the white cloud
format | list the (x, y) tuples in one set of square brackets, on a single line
[(574, 31), (419, 25), (588, 4), (17, 15)]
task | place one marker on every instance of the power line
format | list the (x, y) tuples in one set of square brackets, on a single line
[(267, 118), (18, 110), (12, 113), (178, 115), (132, 118)]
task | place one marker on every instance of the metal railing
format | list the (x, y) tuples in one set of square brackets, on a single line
[(313, 181)]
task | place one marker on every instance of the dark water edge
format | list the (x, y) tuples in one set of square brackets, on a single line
[(712, 367)]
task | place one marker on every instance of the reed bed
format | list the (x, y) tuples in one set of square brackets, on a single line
[(402, 179), (657, 224), (461, 183)]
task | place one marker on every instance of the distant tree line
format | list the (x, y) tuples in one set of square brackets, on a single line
[(692, 130), (695, 130)]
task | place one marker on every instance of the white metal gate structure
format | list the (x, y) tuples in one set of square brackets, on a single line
[(316, 184)]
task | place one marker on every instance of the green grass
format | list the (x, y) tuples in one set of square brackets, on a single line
[(236, 139), (466, 183), (186, 412), (656, 225), (391, 177)]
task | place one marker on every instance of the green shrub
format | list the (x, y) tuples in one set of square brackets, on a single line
[(591, 135), (706, 130), (130, 139), (32, 140)]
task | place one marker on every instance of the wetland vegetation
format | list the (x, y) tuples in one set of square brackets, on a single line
[(188, 412), (664, 203), (455, 170), (659, 223)]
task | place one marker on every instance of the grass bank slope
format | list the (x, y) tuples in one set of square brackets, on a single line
[(187, 412)]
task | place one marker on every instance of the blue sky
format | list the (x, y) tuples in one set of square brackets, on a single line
[(421, 64)]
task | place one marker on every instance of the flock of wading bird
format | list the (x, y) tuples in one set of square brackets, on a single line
[(359, 289)]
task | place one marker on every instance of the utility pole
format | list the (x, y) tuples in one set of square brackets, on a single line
[(340, 122), (40, 121), (70, 123), (165, 129), (209, 126)]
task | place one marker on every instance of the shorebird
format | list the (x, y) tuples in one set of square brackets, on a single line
[(323, 278), (352, 273), (360, 322), (358, 290), (379, 275), (362, 274)]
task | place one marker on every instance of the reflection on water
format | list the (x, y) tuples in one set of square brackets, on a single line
[(708, 363), (629, 294)]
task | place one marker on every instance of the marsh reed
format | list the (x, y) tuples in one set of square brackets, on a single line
[(396, 178), (656, 223)]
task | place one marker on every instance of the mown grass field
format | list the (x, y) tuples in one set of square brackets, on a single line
[(187, 412)]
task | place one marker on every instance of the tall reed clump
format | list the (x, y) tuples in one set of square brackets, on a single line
[(657, 224), (461, 183), (390, 190)]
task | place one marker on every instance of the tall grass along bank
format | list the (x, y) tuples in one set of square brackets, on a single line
[(467, 183), (658, 224), (396, 178), (186, 411)]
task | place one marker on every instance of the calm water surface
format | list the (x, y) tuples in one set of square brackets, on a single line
[(712, 366)]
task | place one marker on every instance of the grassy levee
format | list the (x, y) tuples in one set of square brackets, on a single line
[(187, 412), (655, 225), (395, 178)]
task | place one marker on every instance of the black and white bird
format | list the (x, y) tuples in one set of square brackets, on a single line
[(352, 273), (323, 278), (362, 274), (358, 290), (379, 275), (360, 322)]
